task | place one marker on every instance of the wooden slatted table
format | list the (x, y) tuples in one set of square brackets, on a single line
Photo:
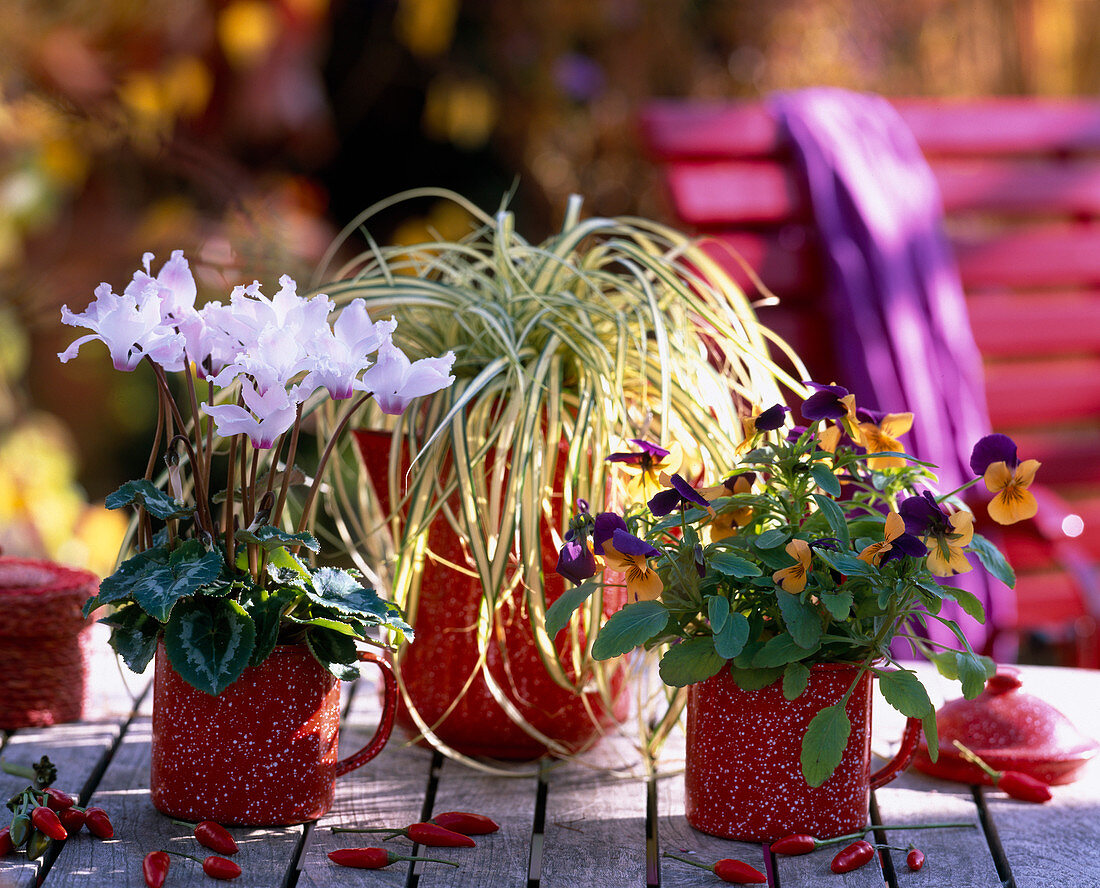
[(594, 822)]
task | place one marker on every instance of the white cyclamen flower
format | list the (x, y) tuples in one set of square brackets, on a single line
[(395, 380), (268, 415)]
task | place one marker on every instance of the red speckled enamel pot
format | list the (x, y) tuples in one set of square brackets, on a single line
[(743, 778), (436, 667), (262, 752)]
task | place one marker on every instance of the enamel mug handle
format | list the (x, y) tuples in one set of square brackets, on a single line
[(910, 740), (385, 726)]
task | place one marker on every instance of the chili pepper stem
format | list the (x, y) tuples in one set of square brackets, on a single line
[(975, 759), (393, 833), (424, 859), (875, 826), (16, 770), (685, 860), (181, 854)]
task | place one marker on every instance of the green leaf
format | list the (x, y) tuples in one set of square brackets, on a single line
[(795, 678), (823, 744), (779, 651), (848, 565), (730, 565), (718, 611), (968, 601), (801, 620), (690, 661), (209, 642), (731, 640), (150, 497), (838, 524), (992, 560), (838, 604), (270, 538), (120, 584), (339, 590), (945, 664), (772, 539), (825, 479), (754, 679), (267, 618), (335, 651), (629, 627), (561, 611), (157, 586), (133, 636), (931, 735), (904, 691), (973, 671)]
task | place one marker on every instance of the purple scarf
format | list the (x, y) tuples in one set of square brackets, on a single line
[(896, 305)]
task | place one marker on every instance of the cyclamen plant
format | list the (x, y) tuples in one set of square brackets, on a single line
[(825, 544), (219, 578)]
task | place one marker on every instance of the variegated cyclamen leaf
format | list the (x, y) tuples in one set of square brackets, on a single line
[(133, 635), (209, 642), (339, 590), (158, 586), (120, 584), (151, 498), (269, 538), (335, 651)]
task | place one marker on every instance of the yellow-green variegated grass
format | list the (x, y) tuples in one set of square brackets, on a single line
[(590, 337)]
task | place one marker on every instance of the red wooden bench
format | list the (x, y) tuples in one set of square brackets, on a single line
[(1021, 185)]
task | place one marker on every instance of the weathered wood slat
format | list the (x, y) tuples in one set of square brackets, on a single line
[(388, 791), (595, 825)]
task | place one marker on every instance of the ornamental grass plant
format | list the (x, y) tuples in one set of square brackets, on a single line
[(822, 544), (609, 329)]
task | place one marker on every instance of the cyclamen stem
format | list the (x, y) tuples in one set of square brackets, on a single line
[(307, 508), (288, 466)]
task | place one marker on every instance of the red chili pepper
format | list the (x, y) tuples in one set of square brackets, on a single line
[(374, 858), (46, 822), (155, 868), (853, 857), (738, 872), (98, 823), (1023, 786), (216, 837), (914, 859), (72, 819), (435, 836), (6, 844), (792, 845), (466, 823), (220, 867), (58, 800)]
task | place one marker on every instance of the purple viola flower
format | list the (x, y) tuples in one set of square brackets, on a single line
[(825, 402), (906, 544), (681, 492), (991, 449), (604, 527), (628, 544), (645, 454), (795, 433), (772, 418), (923, 515), (576, 561)]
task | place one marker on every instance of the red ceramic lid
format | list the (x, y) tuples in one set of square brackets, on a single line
[(1011, 730)]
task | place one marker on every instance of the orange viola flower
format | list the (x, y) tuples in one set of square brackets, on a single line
[(793, 579), (1012, 501)]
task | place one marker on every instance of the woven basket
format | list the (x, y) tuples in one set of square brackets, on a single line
[(43, 642)]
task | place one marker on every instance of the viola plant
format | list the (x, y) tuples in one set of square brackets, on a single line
[(222, 574), (824, 544)]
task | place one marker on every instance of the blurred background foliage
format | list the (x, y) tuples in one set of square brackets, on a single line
[(248, 131)]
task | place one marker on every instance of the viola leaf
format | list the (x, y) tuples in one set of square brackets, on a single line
[(629, 627), (801, 620), (731, 640), (795, 678), (148, 496), (848, 565), (931, 734), (209, 642), (973, 670), (992, 560), (838, 524), (730, 565), (968, 601), (749, 679), (838, 604), (270, 538), (825, 479), (561, 611), (904, 691), (779, 651), (823, 744), (157, 585), (772, 539), (692, 660), (718, 611)]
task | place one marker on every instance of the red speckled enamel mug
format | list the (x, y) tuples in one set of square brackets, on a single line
[(261, 753), (743, 776)]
